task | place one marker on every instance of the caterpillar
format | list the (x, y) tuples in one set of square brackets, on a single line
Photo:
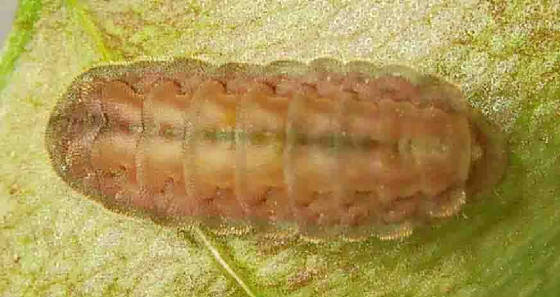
[(329, 148)]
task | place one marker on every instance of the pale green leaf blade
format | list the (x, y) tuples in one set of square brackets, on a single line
[(506, 58)]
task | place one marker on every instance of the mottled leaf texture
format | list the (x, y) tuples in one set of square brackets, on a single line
[(502, 55)]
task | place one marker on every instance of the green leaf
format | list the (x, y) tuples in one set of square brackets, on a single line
[(28, 13), (505, 55)]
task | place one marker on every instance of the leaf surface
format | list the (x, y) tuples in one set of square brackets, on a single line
[(505, 56)]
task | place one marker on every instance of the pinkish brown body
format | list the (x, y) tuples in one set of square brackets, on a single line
[(355, 148)]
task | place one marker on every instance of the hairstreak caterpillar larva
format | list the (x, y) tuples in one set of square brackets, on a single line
[(344, 149)]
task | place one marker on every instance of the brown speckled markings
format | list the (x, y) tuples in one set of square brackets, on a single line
[(335, 149)]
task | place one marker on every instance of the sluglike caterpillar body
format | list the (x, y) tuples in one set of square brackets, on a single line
[(331, 149)]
